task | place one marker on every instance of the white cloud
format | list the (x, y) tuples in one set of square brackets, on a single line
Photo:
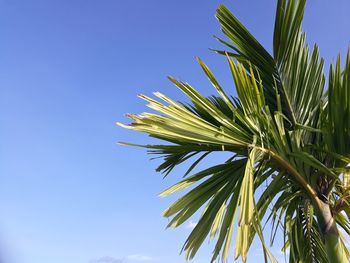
[(107, 260), (139, 257), (191, 225)]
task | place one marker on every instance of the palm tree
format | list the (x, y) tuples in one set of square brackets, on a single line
[(287, 133)]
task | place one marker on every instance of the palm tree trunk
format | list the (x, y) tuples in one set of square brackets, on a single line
[(330, 233)]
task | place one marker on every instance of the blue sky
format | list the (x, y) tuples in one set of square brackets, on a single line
[(68, 71)]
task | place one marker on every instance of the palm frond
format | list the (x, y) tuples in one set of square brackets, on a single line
[(287, 137), (297, 75)]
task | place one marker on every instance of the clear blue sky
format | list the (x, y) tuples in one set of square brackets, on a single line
[(68, 71)]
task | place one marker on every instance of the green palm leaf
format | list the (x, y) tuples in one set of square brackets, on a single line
[(286, 135)]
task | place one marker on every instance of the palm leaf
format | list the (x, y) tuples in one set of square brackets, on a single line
[(287, 137)]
